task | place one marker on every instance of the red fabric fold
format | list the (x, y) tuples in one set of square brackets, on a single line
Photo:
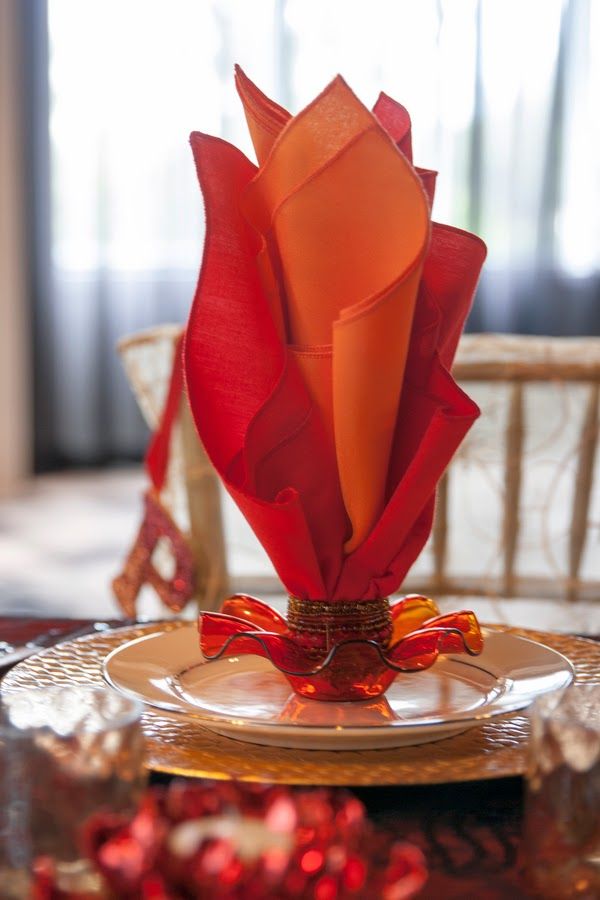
[(157, 454), (251, 406)]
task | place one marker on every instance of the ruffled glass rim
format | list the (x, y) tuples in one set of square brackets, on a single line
[(353, 666), (438, 634)]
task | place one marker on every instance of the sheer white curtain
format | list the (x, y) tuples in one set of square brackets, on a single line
[(504, 99)]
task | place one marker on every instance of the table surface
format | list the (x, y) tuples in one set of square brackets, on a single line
[(469, 833)]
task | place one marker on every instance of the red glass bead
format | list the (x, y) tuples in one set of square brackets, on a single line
[(312, 861)]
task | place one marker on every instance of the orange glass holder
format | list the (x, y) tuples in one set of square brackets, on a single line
[(339, 650)]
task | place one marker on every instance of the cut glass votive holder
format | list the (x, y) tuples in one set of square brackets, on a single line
[(561, 839), (83, 755)]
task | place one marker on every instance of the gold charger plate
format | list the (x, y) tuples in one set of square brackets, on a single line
[(181, 747)]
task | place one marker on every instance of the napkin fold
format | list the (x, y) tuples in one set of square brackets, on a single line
[(323, 328)]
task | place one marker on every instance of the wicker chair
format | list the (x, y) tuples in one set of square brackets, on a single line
[(516, 511), (192, 491), (541, 395)]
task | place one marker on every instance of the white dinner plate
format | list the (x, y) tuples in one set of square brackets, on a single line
[(246, 698)]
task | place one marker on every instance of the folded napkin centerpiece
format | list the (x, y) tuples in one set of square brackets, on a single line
[(317, 357)]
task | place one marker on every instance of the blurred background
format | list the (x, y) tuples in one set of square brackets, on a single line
[(102, 223)]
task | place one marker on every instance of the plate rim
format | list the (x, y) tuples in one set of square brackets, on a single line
[(486, 712), (176, 746)]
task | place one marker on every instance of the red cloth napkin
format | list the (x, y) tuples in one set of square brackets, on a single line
[(262, 420)]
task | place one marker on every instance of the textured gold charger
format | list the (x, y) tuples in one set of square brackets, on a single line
[(179, 746)]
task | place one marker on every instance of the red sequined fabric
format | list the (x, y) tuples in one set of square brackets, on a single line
[(244, 842)]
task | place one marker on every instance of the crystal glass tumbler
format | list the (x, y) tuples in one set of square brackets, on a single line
[(562, 810), (15, 847), (84, 756)]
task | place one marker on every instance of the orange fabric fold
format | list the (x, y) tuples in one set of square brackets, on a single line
[(265, 118), (347, 265)]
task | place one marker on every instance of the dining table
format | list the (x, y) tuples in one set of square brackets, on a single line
[(469, 832)]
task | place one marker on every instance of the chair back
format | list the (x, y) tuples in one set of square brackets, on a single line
[(518, 511)]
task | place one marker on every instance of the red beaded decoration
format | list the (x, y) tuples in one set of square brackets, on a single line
[(244, 842)]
